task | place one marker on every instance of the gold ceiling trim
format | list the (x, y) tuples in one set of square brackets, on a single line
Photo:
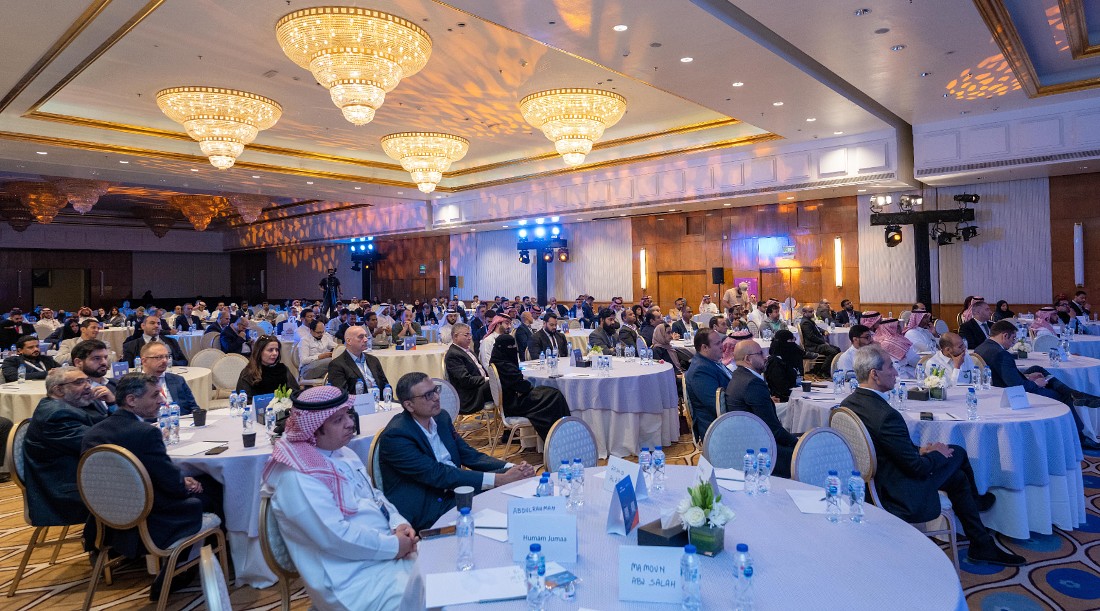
[(999, 21), (83, 21), (1077, 31)]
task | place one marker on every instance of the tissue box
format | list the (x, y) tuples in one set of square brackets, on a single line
[(652, 534), (585, 363), (918, 394)]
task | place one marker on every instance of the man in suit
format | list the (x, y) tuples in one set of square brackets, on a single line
[(705, 375), (28, 354), (524, 334), (14, 327), (588, 308), (748, 392), (187, 321), (178, 502), (685, 324), (577, 311), (628, 331), (154, 362), (94, 359), (813, 340), (52, 448), (150, 333), (222, 323), (908, 478), (423, 459), (465, 372), (977, 329), (1080, 304), (356, 364), (847, 314), (558, 309), (606, 335), (549, 337), (234, 338)]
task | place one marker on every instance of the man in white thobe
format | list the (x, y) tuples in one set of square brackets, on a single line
[(447, 327), (955, 360)]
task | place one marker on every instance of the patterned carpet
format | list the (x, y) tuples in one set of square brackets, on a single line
[(1063, 570)]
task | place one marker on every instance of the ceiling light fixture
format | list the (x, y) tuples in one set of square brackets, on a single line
[(777, 103), (221, 120), (41, 198), (425, 155), (358, 54), (82, 194), (249, 206), (573, 118), (42, 152), (738, 84), (687, 60), (837, 133), (620, 28), (897, 48), (199, 209), (123, 161), (811, 119)]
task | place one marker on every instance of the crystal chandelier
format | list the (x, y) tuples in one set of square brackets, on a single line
[(248, 206), (222, 120), (358, 54), (425, 155), (82, 194), (573, 118), (158, 217), (199, 209), (15, 213), (41, 198)]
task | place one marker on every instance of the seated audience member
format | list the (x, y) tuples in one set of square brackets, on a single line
[(446, 328), (1080, 304), (606, 333), (650, 319), (178, 502), (1044, 322), (89, 329), (558, 309), (149, 332), (136, 316), (784, 365), (748, 392), (706, 306), (542, 405), (976, 324), (222, 323), (385, 317), (379, 336), (465, 373), (718, 324), (628, 330), (186, 321), (1002, 311), (52, 449), (407, 327), (69, 329), (954, 358), (704, 377), (685, 324), (340, 320), (524, 334), (356, 364), (47, 323), (234, 338), (265, 372), (1065, 313), (918, 330), (824, 313), (549, 338), (114, 318), (423, 459), (860, 336), (815, 342), (334, 520), (847, 314), (306, 323), (772, 321), (909, 478), (314, 352), (29, 355), (501, 325), (154, 362), (426, 315), (14, 327), (1035, 379), (900, 349), (665, 351), (93, 359)]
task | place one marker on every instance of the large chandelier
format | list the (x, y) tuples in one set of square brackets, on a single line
[(82, 194), (41, 198), (15, 213), (357, 54), (248, 206), (573, 118), (157, 217), (425, 155), (199, 209), (222, 120)]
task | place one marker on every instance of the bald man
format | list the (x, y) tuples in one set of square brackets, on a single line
[(954, 358), (748, 392)]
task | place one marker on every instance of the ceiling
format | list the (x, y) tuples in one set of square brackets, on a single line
[(79, 86)]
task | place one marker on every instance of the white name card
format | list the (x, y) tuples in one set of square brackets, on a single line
[(555, 532), (518, 508), (1014, 397), (364, 404), (704, 472), (617, 469), (649, 574)]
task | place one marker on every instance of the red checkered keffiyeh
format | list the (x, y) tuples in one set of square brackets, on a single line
[(969, 313), (870, 319), (1043, 319), (298, 447), (890, 338), (915, 320)]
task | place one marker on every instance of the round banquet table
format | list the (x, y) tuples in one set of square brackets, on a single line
[(765, 345), (578, 338), (239, 470), (862, 571), (1030, 458), (427, 358), (190, 343), (1085, 345), (430, 332), (17, 401), (114, 337), (1082, 373), (286, 349), (839, 338), (635, 406)]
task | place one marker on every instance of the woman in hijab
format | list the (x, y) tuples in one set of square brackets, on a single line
[(1002, 312), (784, 364), (69, 330), (664, 350), (542, 405), (901, 350)]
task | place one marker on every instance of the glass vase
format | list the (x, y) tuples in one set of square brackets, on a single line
[(708, 540)]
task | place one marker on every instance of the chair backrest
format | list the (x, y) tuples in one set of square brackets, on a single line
[(573, 323), (731, 434), (703, 319), (940, 326), (833, 363), (374, 459), (684, 388), (753, 328), (443, 366), (641, 343), (228, 370), (338, 350), (569, 438), (267, 327), (817, 452), (1043, 343), (448, 398), (206, 358), (494, 386), (274, 549), (15, 457), (719, 401), (978, 360), (845, 422), (210, 340), (295, 361), (116, 489), (924, 358), (214, 588)]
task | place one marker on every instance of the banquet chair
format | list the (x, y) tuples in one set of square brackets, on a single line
[(753, 328), (210, 340), (569, 438), (833, 364), (731, 434), (374, 461), (206, 358), (448, 398), (959, 322), (296, 368), (940, 326), (116, 488), (267, 327), (686, 407), (17, 461), (226, 372), (978, 360), (1045, 343), (719, 401), (275, 552), (924, 358), (819, 451), (702, 319), (574, 323), (215, 591), (513, 424), (845, 422), (443, 366)]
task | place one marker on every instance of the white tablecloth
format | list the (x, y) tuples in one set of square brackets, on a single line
[(1085, 345), (239, 470), (17, 401), (635, 406), (190, 343), (860, 569), (839, 338), (114, 338), (1031, 459), (427, 358), (1079, 372)]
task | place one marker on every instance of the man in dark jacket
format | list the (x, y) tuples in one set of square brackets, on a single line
[(29, 355), (465, 372), (524, 334), (748, 392), (356, 364), (813, 340)]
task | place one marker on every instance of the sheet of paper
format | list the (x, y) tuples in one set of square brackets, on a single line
[(730, 479), (490, 523), (813, 501), (191, 449), (476, 586), (186, 435), (524, 489)]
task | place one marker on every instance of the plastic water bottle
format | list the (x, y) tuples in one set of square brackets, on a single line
[(387, 394), (269, 419), (246, 417), (750, 472), (856, 490), (742, 563), (691, 598), (852, 383), (163, 423), (545, 488), (645, 461), (987, 378), (658, 469), (137, 363), (903, 394), (173, 424), (578, 483), (370, 342), (838, 381), (565, 472), (832, 496), (764, 471), (22, 374), (542, 360), (971, 404), (464, 530), (360, 387), (535, 570)]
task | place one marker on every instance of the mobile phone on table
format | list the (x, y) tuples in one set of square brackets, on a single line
[(430, 533), (926, 416), (217, 450)]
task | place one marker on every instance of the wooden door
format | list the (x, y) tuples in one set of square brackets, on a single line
[(802, 283), (670, 285)]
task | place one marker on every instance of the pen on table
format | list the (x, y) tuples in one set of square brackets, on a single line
[(729, 479), (476, 527), (953, 416)]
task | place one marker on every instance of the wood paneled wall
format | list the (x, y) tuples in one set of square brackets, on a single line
[(111, 274), (398, 275), (1073, 200)]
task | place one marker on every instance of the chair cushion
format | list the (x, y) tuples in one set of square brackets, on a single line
[(209, 521), (516, 421)]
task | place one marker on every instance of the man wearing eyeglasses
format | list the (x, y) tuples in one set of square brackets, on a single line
[(860, 336), (423, 459), (154, 362), (748, 392)]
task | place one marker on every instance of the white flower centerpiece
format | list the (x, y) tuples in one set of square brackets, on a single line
[(936, 383), (705, 517)]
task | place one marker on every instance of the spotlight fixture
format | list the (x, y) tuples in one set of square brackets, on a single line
[(966, 232), (944, 238), (540, 232), (967, 198), (563, 255), (547, 255), (893, 235), (908, 202), (525, 257), (356, 267), (555, 230), (879, 203), (522, 233)]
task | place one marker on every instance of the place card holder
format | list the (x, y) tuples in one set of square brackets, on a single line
[(653, 535)]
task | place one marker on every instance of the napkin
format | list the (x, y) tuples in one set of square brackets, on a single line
[(669, 518)]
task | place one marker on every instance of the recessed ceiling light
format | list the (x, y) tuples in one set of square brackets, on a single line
[(400, 192), (687, 60), (859, 12), (309, 182), (358, 188), (861, 190), (473, 230), (727, 205), (194, 170), (123, 161), (964, 112), (622, 215), (42, 152), (837, 133), (811, 119), (777, 103), (924, 74), (439, 197), (738, 84), (672, 210), (504, 226), (790, 198), (620, 28), (897, 48)]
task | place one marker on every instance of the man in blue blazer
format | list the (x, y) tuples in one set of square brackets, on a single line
[(150, 332), (154, 362), (748, 392), (705, 376), (423, 459), (234, 337)]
